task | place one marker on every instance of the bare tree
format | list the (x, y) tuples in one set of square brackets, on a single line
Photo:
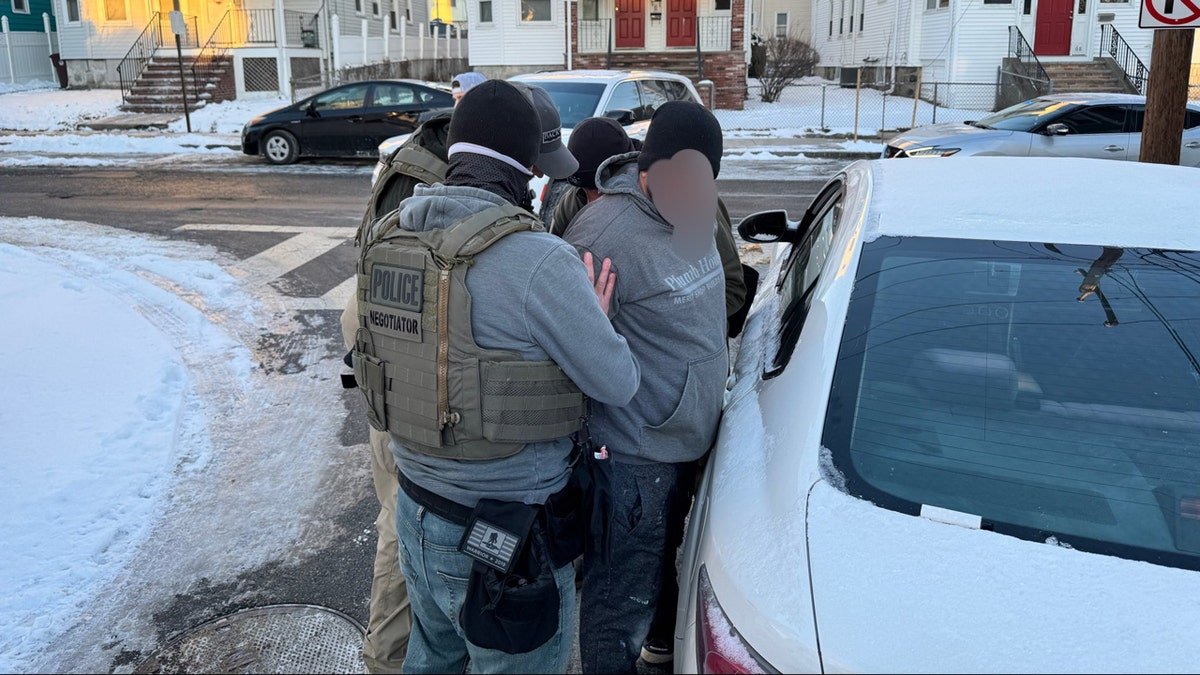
[(787, 60)]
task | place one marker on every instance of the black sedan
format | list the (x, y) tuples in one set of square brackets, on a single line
[(346, 121)]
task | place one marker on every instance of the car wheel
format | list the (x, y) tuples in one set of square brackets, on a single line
[(280, 147)]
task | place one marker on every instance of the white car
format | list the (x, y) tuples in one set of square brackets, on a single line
[(964, 430), (1100, 126), (631, 97)]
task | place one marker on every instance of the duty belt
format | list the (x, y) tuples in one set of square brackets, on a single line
[(438, 505)]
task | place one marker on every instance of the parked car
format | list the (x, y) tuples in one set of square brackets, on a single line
[(630, 97), (1102, 126), (963, 431), (346, 121)]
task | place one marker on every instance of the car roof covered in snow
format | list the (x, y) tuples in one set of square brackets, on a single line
[(596, 75), (1051, 200)]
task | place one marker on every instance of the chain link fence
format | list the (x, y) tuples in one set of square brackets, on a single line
[(821, 107)]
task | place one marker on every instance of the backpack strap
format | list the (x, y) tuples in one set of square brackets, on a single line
[(413, 160)]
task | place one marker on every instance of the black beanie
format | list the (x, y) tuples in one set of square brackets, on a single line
[(498, 116), (593, 141), (682, 125)]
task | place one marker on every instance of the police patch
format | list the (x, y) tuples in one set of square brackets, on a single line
[(490, 545), (394, 323), (398, 287)]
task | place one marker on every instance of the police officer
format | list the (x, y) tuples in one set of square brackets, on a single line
[(479, 337)]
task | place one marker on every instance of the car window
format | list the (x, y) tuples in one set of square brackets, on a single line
[(393, 94), (1135, 118), (435, 99), (576, 101), (803, 269), (345, 98), (654, 94), (1052, 391), (625, 97), (1191, 119), (1027, 115), (1095, 119)]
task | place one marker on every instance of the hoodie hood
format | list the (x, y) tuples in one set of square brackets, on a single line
[(618, 175), (434, 207)]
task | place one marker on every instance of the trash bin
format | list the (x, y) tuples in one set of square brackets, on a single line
[(60, 69), (308, 37)]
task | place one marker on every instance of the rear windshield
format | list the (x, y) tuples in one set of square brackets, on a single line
[(1051, 390), (576, 101), (1026, 116)]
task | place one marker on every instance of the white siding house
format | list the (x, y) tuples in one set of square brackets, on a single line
[(508, 37), (776, 18), (966, 41)]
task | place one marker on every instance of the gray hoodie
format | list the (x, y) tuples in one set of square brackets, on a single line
[(529, 294), (671, 311)]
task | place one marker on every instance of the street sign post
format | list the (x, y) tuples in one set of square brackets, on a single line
[(179, 27), (1170, 14)]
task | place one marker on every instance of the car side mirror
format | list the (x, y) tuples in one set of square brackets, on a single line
[(622, 116), (1057, 129), (311, 109), (767, 227)]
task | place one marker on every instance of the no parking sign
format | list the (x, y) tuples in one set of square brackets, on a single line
[(1161, 14)]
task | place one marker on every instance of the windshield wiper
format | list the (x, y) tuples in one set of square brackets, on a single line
[(977, 125)]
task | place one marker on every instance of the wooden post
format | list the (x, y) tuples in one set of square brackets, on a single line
[(365, 60), (387, 36), (12, 74), (404, 38), (1166, 96), (916, 99), (857, 95)]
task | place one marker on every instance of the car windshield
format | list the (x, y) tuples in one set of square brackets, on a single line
[(1052, 391), (1025, 116), (576, 101)]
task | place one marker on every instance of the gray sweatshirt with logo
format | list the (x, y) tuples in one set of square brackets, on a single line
[(529, 294), (672, 312)]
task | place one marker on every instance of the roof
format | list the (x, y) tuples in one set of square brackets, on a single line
[(596, 75), (1052, 200)]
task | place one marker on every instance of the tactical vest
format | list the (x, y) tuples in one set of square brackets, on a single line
[(411, 160), (415, 357)]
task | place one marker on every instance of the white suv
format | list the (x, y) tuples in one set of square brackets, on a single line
[(630, 97)]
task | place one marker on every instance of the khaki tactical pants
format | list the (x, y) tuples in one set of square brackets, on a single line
[(389, 624)]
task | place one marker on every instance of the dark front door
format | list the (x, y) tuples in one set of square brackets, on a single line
[(631, 22), (1052, 37), (681, 23), (334, 124)]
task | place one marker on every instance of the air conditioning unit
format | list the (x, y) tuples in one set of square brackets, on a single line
[(849, 78)]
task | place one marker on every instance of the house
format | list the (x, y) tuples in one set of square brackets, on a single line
[(27, 36), (1019, 47), (779, 18)]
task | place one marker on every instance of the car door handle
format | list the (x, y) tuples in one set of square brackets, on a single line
[(1114, 148), (1193, 145), (355, 118)]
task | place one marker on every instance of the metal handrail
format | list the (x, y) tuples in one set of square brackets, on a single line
[(1137, 74), (213, 49), (139, 55), (1019, 48)]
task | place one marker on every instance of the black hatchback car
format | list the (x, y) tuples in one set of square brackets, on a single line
[(346, 121)]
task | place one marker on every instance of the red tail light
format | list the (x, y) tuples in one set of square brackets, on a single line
[(719, 647)]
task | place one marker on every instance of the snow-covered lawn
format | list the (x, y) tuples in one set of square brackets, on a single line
[(100, 413), (229, 117), (9, 88), (116, 144), (815, 106), (57, 109)]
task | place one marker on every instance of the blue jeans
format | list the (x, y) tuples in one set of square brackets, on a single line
[(437, 583)]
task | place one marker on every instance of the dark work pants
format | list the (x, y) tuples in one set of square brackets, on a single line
[(636, 590)]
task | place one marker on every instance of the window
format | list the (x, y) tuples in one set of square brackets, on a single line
[(535, 10), (937, 4), (375, 7), (392, 95), (1082, 10), (1026, 116), (20, 6), (842, 18), (862, 17), (1002, 2), (1120, 2), (485, 11), (723, 6), (1027, 9), (115, 10), (625, 97), (1191, 120), (345, 98), (1050, 390), (851, 16), (803, 268), (392, 18), (654, 94), (72, 10), (676, 91), (358, 6), (781, 24), (830, 18), (1095, 119), (589, 10)]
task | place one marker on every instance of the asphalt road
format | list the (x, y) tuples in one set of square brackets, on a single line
[(302, 220)]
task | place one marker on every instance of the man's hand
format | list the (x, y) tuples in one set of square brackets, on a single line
[(605, 284)]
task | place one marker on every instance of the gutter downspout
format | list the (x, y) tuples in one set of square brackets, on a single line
[(895, 39), (569, 45)]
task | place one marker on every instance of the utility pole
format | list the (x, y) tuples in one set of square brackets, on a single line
[(178, 26), (1166, 96)]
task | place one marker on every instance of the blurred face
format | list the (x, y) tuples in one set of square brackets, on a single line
[(685, 194)]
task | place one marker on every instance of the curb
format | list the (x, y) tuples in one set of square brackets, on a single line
[(847, 155)]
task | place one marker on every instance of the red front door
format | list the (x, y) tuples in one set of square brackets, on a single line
[(631, 21), (1052, 36), (681, 23)]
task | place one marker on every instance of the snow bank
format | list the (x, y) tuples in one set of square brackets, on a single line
[(116, 144), (99, 411), (32, 85), (56, 110), (229, 117)]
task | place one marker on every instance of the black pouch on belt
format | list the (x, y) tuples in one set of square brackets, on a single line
[(512, 598)]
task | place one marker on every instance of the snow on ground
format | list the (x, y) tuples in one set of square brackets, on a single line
[(32, 85), (102, 143), (56, 110), (806, 106), (100, 414), (229, 117)]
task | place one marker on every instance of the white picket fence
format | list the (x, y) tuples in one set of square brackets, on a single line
[(409, 42), (25, 56)]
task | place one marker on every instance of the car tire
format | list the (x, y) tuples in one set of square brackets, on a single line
[(280, 147)]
